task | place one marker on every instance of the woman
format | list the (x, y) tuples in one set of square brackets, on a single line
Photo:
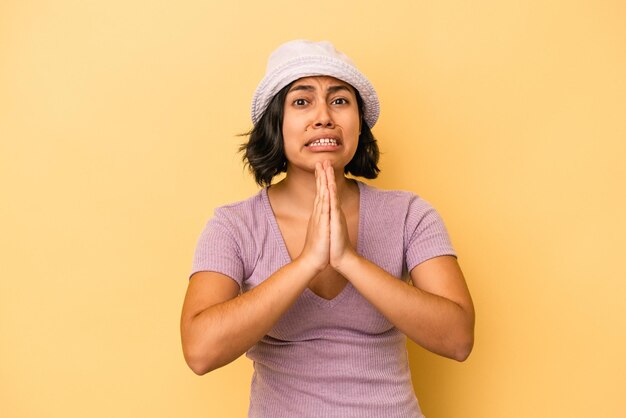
[(309, 276)]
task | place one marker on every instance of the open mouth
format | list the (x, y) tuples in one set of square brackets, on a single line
[(323, 142)]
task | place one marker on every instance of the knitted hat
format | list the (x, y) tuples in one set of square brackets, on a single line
[(301, 58)]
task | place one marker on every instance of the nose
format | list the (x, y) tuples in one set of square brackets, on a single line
[(323, 118)]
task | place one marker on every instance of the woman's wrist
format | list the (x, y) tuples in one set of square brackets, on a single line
[(307, 266), (346, 263)]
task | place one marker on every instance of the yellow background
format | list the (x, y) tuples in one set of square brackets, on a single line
[(118, 124)]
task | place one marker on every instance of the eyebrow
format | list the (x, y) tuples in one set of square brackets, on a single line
[(331, 89)]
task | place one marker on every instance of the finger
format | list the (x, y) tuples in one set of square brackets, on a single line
[(330, 172), (332, 186), (330, 175), (334, 201), (316, 221), (317, 183), (324, 193), (322, 175), (321, 191), (317, 218)]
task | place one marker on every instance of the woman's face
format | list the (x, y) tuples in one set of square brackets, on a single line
[(320, 122)]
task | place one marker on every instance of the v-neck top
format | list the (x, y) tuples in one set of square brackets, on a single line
[(337, 357)]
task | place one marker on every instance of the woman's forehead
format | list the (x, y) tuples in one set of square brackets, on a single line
[(323, 82)]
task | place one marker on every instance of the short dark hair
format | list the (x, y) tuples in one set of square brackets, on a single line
[(264, 152)]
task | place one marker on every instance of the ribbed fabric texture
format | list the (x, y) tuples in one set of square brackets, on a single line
[(327, 358)]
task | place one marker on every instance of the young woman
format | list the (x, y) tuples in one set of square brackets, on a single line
[(319, 278)]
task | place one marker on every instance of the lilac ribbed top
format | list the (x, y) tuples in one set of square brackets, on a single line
[(327, 358)]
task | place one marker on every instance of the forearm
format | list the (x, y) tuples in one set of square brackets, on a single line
[(221, 333), (436, 323)]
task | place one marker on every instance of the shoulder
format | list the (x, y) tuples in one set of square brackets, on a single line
[(394, 201), (400, 208), (239, 220), (236, 225), (242, 211)]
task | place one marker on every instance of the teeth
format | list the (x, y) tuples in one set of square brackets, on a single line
[(323, 141)]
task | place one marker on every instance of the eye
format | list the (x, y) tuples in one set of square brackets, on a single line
[(300, 102), (340, 101)]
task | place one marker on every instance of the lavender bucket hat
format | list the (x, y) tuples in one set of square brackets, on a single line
[(301, 58)]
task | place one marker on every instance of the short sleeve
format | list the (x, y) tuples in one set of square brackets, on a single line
[(425, 234), (218, 250)]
